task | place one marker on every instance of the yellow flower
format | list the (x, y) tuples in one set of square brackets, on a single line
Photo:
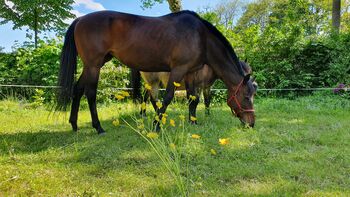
[(116, 122), (163, 120), (125, 93), (177, 84), (193, 118), (152, 135), (141, 126), (148, 87), (157, 118), (172, 122), (165, 115), (213, 152), (119, 97), (172, 146), (223, 141), (182, 117), (159, 104), (195, 136), (193, 97), (143, 106)]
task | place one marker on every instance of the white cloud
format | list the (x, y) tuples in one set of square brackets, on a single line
[(89, 4), (77, 13)]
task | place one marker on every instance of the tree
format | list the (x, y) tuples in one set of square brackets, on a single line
[(228, 11), (174, 5), (336, 15), (37, 15)]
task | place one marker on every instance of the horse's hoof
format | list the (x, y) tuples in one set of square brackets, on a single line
[(193, 122), (102, 134), (74, 127), (101, 131)]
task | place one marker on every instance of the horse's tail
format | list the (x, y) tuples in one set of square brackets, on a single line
[(136, 84), (67, 69)]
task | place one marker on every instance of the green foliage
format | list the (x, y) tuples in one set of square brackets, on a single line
[(37, 15)]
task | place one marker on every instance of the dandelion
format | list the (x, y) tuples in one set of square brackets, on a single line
[(163, 120), (125, 93), (148, 87), (119, 97), (192, 118), (177, 84), (157, 118), (213, 152), (223, 141), (192, 97), (143, 106), (172, 146), (116, 122), (172, 122), (165, 115), (195, 136), (141, 126), (152, 135), (182, 117), (159, 104)]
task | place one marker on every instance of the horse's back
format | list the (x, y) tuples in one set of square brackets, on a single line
[(148, 43)]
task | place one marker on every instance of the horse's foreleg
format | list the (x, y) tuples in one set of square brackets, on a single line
[(78, 92), (90, 93), (193, 96), (176, 75), (207, 99)]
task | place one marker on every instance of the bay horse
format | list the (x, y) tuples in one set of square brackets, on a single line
[(201, 80), (178, 43)]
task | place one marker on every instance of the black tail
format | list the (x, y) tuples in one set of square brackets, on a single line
[(68, 69), (136, 84)]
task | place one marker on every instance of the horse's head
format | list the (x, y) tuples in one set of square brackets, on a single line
[(241, 98)]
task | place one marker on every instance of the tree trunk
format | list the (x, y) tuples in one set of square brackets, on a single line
[(175, 5), (35, 28), (336, 15)]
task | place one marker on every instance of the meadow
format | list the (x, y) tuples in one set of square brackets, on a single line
[(299, 147)]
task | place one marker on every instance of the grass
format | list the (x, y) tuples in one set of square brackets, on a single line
[(298, 148)]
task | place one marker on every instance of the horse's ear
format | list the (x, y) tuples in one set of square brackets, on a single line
[(246, 60), (246, 78)]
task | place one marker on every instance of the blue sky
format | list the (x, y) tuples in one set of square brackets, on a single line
[(81, 7)]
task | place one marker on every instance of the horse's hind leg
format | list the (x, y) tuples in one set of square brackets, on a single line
[(92, 76), (78, 92)]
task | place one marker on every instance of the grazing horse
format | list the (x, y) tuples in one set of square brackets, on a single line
[(178, 43), (201, 80)]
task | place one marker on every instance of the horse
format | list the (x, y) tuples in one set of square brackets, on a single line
[(179, 43), (201, 79)]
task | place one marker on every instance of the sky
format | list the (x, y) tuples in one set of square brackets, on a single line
[(8, 36)]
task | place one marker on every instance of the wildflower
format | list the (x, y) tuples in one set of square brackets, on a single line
[(172, 122), (182, 117), (163, 120), (119, 97), (192, 97), (143, 106), (195, 136), (177, 84), (148, 87), (172, 146), (223, 141), (125, 93), (192, 118), (116, 122), (157, 118), (152, 135), (213, 152), (159, 104), (144, 132), (141, 126), (165, 115)]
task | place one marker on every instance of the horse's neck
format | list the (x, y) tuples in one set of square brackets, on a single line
[(221, 62)]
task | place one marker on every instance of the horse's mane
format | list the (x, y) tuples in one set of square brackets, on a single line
[(219, 35)]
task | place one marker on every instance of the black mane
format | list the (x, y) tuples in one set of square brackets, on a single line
[(219, 35)]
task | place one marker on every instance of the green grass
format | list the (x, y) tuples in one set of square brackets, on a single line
[(298, 148)]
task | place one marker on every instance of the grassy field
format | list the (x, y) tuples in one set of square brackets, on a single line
[(299, 148)]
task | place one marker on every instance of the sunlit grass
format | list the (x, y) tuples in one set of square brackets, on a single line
[(299, 147)]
